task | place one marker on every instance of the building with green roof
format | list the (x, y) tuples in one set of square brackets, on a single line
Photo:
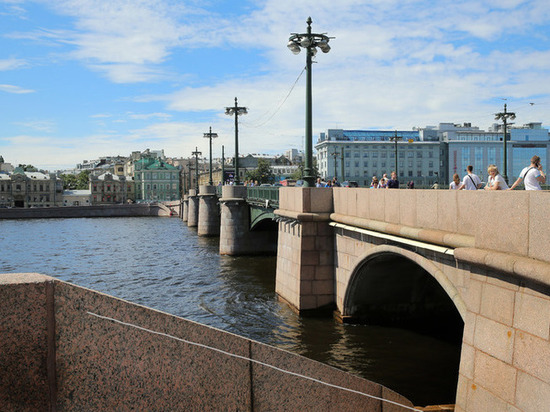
[(156, 180)]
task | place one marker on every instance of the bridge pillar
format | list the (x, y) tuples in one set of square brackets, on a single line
[(192, 209), (235, 235), (305, 252), (209, 212), (185, 204)]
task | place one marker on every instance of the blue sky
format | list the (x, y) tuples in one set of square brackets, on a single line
[(81, 79)]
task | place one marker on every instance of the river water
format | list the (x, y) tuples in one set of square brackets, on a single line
[(163, 264)]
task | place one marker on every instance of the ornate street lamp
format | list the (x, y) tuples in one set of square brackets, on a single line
[(504, 116), (395, 139), (210, 136), (196, 153), (309, 41), (237, 111)]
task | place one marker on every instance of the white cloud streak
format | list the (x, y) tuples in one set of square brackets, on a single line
[(8, 88)]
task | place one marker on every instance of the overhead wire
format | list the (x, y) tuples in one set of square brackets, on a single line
[(278, 108), (250, 360)]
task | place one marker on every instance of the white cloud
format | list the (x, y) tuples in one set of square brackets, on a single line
[(8, 88), (11, 64)]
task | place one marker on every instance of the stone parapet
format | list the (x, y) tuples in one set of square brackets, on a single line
[(526, 268), (504, 221), (437, 237), (70, 348)]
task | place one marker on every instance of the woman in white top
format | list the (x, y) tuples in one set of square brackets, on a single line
[(455, 183), (495, 180)]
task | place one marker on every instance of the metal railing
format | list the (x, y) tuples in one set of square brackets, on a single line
[(267, 196)]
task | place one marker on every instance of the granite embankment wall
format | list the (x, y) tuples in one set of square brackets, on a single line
[(68, 348), (127, 210)]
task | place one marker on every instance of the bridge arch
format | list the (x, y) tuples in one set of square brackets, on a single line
[(395, 284)]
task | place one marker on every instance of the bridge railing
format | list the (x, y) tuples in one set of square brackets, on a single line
[(263, 195)]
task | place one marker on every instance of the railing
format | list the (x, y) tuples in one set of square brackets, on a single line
[(267, 196)]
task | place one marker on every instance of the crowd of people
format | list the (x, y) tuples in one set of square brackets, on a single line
[(532, 177)]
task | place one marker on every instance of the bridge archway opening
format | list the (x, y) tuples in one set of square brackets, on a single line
[(411, 318), (389, 289)]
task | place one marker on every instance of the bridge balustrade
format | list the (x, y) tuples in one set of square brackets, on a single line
[(267, 196)]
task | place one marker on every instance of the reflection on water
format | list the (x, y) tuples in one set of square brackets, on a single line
[(163, 264)]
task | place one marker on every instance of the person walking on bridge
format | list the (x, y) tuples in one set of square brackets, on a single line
[(471, 181), (532, 176)]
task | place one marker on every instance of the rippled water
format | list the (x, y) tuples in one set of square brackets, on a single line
[(163, 264)]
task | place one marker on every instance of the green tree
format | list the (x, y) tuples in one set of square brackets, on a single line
[(76, 182), (69, 182), (299, 173), (262, 173), (28, 168), (83, 180)]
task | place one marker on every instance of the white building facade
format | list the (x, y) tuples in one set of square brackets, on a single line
[(430, 154)]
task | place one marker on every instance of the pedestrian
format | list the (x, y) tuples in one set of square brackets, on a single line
[(531, 175), (335, 182), (374, 183), (318, 183), (471, 181), (455, 183), (393, 183), (495, 180)]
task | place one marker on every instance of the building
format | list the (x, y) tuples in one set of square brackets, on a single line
[(358, 155), (109, 188), (30, 189), (5, 167), (430, 154), (466, 145), (77, 198), (156, 180)]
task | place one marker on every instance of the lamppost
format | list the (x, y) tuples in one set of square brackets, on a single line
[(395, 139), (309, 41), (210, 136), (335, 155), (223, 166), (342, 165), (504, 116), (196, 153), (237, 111)]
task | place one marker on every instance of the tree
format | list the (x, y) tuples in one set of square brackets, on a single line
[(28, 168), (262, 173), (83, 180), (299, 173), (76, 182)]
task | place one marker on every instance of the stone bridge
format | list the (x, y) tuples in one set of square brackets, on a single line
[(473, 265), (478, 260)]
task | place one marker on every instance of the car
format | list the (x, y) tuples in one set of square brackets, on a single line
[(350, 184), (265, 185)]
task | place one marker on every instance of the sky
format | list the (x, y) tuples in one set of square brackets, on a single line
[(81, 79)]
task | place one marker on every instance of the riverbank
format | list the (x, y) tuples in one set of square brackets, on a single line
[(122, 210)]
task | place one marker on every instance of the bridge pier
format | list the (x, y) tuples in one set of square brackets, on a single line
[(236, 238), (192, 208), (209, 213), (185, 208), (305, 252)]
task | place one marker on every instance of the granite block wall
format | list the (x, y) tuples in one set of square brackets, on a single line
[(72, 349)]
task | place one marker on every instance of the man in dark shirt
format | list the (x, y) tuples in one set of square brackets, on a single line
[(393, 183)]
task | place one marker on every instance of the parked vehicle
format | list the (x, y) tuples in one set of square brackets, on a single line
[(350, 184)]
